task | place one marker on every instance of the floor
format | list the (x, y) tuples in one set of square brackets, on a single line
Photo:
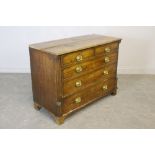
[(132, 107)]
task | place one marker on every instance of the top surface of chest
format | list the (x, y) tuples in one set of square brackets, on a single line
[(68, 45)]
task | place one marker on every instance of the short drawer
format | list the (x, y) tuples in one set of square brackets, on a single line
[(83, 68), (84, 81), (88, 95), (107, 48), (77, 57)]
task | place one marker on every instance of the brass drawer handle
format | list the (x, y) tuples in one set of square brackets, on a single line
[(106, 59), (78, 84), (105, 72), (79, 58), (78, 100), (105, 87), (78, 69), (107, 49)]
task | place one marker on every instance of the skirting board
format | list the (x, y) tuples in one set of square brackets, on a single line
[(121, 70), (14, 70), (127, 70)]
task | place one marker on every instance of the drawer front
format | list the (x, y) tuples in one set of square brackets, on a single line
[(84, 81), (85, 67), (107, 48), (88, 95), (77, 57)]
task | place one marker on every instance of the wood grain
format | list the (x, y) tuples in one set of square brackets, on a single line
[(69, 73), (89, 79), (88, 95), (101, 49), (68, 45), (44, 75), (59, 78), (71, 58)]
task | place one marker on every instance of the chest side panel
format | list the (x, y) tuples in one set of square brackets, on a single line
[(45, 79)]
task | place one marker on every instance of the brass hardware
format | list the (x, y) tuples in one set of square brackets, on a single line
[(78, 69), (79, 58), (106, 59), (107, 49), (78, 100), (105, 87), (58, 103), (105, 72), (78, 84)]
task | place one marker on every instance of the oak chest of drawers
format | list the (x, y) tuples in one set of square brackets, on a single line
[(68, 74)]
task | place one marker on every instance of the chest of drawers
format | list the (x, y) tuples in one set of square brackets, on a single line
[(69, 74)]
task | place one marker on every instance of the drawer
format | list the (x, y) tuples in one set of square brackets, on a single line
[(83, 68), (77, 57), (84, 81), (88, 95), (107, 48)]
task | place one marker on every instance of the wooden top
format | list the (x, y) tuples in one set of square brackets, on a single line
[(67, 45)]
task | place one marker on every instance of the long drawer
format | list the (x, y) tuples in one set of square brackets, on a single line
[(72, 86), (83, 68), (88, 95)]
